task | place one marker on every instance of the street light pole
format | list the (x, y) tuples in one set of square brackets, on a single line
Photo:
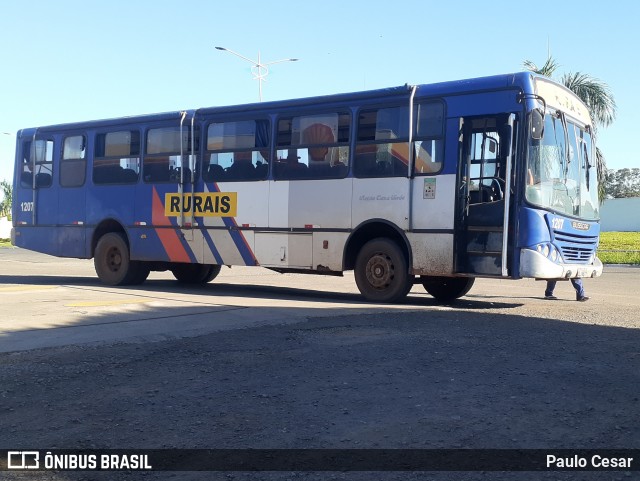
[(259, 70)]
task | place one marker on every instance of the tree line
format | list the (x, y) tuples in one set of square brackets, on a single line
[(5, 202), (622, 183)]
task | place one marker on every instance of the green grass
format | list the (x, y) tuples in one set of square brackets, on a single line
[(5, 242), (619, 248)]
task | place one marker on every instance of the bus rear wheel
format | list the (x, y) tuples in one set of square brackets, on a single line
[(381, 271), (195, 273), (112, 262), (143, 271), (447, 289)]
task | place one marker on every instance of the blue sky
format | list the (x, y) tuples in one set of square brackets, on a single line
[(73, 60)]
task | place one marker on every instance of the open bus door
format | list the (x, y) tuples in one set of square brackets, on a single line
[(484, 178)]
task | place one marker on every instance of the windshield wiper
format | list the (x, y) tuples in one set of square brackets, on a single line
[(586, 157), (567, 150)]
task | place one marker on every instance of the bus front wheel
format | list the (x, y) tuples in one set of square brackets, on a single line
[(195, 273), (447, 289), (381, 271), (112, 262)]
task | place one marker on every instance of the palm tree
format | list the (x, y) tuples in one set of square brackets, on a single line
[(598, 98)]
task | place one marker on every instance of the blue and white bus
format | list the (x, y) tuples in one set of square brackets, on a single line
[(434, 184)]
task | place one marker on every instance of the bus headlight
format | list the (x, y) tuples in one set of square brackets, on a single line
[(543, 249), (549, 251)]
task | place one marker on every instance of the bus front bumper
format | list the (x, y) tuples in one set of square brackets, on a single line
[(534, 264)]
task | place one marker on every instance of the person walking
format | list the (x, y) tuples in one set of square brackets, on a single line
[(577, 285)]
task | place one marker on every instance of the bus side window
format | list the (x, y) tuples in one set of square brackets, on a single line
[(162, 161), (42, 153), (237, 151), (429, 139), (313, 146), (73, 164), (382, 148), (117, 158), (26, 174)]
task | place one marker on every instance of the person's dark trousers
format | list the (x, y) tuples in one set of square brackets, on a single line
[(577, 285)]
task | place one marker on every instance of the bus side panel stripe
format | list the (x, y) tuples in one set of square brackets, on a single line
[(212, 247), (241, 242), (169, 237), (237, 236), (215, 252)]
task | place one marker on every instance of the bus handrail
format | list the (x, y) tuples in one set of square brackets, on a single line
[(411, 155), (507, 199), (183, 115), (192, 167), (33, 176)]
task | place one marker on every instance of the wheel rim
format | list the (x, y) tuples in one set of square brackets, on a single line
[(380, 271), (114, 259)]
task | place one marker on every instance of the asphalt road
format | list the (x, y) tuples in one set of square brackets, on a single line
[(261, 360)]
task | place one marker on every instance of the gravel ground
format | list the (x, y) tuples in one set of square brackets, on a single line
[(485, 375)]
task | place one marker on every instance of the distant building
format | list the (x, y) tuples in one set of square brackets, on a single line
[(5, 228), (620, 215)]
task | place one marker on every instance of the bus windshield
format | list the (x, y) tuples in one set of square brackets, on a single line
[(562, 174)]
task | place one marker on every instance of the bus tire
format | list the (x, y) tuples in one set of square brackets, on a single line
[(214, 270), (381, 271), (142, 273), (194, 273), (112, 262), (447, 289)]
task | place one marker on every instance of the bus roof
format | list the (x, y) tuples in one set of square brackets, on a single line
[(424, 90), (522, 80)]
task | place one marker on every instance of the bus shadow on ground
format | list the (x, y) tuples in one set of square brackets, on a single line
[(244, 290), (48, 280)]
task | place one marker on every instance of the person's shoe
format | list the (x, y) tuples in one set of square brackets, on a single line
[(550, 297), (582, 298)]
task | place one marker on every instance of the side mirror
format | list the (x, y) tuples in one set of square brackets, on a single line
[(537, 124)]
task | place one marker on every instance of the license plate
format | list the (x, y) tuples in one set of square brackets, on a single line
[(584, 272)]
